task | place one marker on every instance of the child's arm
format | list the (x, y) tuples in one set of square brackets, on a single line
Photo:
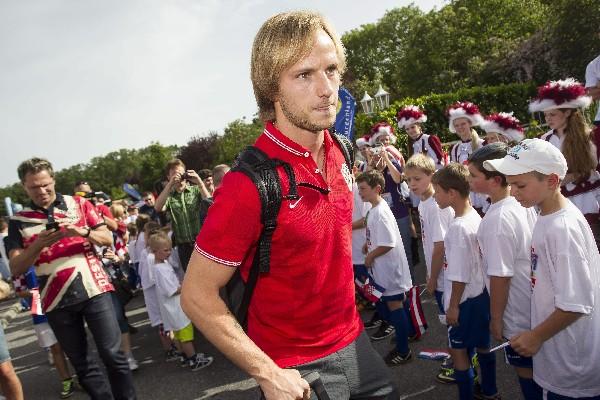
[(437, 263), (378, 251), (499, 287), (528, 343), (358, 224), (458, 289)]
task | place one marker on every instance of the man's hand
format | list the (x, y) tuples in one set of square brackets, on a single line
[(452, 316), (286, 384), (193, 177), (71, 230), (496, 328), (526, 343), (175, 179), (431, 285), (47, 238)]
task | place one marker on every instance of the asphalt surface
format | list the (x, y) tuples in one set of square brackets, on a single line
[(158, 380)]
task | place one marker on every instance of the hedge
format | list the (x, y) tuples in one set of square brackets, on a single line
[(504, 98)]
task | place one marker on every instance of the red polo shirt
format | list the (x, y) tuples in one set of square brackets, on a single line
[(303, 309)]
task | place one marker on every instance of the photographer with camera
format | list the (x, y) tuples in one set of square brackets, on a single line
[(182, 197)]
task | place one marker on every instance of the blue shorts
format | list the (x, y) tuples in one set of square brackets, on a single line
[(4, 356), (473, 328), (516, 360)]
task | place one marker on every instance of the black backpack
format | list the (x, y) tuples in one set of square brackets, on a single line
[(262, 170)]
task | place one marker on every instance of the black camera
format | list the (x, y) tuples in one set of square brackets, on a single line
[(186, 176)]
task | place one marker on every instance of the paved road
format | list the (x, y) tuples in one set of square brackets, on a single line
[(158, 380)]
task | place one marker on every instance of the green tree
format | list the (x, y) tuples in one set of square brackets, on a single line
[(237, 135)]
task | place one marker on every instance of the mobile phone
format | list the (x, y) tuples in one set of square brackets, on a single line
[(52, 226)]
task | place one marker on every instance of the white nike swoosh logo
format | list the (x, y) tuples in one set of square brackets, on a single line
[(294, 204)]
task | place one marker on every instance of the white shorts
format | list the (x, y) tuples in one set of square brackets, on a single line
[(152, 306), (45, 335)]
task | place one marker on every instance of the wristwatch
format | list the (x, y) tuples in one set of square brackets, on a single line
[(87, 234)]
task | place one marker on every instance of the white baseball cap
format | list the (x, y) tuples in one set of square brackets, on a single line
[(530, 155)]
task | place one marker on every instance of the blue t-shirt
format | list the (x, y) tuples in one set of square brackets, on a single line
[(392, 194), (32, 283)]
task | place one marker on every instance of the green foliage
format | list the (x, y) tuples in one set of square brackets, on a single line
[(141, 167), (237, 135), (463, 44), (503, 98)]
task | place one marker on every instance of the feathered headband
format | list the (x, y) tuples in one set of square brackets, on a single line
[(410, 115), (464, 109), (504, 124), (567, 93)]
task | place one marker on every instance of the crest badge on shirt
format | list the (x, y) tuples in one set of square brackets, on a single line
[(347, 176)]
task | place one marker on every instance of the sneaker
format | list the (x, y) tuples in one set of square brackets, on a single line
[(67, 388), (394, 358), (446, 375), (374, 322), (448, 363), (172, 355), (199, 361), (133, 365), (385, 330)]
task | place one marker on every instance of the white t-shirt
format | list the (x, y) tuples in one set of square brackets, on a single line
[(565, 268), (145, 271), (167, 284), (463, 258), (359, 236), (592, 77), (391, 269), (132, 250), (434, 225), (587, 202), (504, 237)]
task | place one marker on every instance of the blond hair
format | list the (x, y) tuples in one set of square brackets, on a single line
[(282, 41), (576, 146), (158, 239), (117, 210), (422, 163)]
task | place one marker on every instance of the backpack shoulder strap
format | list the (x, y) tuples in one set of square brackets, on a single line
[(346, 147), (262, 171)]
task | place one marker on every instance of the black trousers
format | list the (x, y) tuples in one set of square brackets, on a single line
[(99, 314)]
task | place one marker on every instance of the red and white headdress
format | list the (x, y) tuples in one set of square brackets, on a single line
[(464, 109), (410, 115), (382, 129), (567, 93), (363, 141), (504, 124)]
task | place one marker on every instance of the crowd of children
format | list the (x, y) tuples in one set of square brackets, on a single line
[(510, 238)]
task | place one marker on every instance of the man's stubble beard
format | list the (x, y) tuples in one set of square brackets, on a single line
[(304, 123)]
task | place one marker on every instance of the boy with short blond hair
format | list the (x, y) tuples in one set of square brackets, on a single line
[(386, 259), (466, 300), (434, 221), (565, 279)]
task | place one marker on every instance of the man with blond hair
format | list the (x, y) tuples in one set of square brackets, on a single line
[(302, 317)]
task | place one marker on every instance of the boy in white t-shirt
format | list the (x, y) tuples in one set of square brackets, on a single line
[(434, 223), (168, 289), (504, 237), (466, 300), (386, 259), (565, 278)]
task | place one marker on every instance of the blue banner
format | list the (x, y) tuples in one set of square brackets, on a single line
[(344, 120), (130, 190)]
